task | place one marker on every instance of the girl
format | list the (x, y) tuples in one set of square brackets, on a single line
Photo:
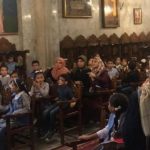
[(39, 87), (20, 103), (64, 93), (118, 104)]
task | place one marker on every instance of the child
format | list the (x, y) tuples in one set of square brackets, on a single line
[(20, 103), (112, 71), (35, 67), (14, 75), (118, 104), (11, 64), (39, 87), (4, 76), (64, 93)]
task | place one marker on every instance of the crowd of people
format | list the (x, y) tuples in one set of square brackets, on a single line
[(128, 106)]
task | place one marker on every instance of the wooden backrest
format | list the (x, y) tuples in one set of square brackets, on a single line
[(6, 46)]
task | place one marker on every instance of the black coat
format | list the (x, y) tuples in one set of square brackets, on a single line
[(132, 129)]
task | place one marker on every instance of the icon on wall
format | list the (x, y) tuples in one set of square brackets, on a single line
[(137, 15), (110, 16), (8, 17), (77, 8)]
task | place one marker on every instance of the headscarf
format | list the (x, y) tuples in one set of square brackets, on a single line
[(145, 107), (101, 66), (56, 72)]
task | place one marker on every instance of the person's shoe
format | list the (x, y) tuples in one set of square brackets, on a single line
[(44, 135), (50, 135)]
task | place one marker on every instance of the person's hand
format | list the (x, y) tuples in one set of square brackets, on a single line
[(77, 82), (36, 84), (83, 137), (91, 75)]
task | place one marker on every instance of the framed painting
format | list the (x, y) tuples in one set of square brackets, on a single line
[(137, 15), (8, 17), (110, 16), (77, 8)]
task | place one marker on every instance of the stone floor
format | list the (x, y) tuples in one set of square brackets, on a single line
[(55, 141)]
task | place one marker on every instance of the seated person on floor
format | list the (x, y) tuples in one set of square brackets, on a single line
[(80, 74), (64, 93), (40, 88), (35, 67), (58, 69), (20, 103), (112, 132), (112, 71), (99, 75)]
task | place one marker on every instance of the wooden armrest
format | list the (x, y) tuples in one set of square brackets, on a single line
[(13, 116), (105, 91), (47, 98), (67, 102), (78, 142)]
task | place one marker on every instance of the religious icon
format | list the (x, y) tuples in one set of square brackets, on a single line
[(137, 14), (110, 17), (8, 16)]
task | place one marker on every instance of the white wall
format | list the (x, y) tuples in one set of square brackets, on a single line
[(86, 27)]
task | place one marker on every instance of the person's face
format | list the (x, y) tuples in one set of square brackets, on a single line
[(124, 62), (13, 87), (110, 65), (39, 78), (10, 59), (118, 61), (59, 64), (96, 63), (80, 63), (61, 81), (90, 62), (4, 71), (14, 76), (111, 108), (35, 66)]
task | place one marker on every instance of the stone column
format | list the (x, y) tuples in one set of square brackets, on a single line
[(46, 31)]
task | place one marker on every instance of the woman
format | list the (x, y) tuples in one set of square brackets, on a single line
[(99, 75), (58, 69)]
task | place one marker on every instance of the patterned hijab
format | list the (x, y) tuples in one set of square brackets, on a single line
[(97, 70), (59, 68)]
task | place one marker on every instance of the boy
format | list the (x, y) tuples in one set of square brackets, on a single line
[(4, 76), (35, 67)]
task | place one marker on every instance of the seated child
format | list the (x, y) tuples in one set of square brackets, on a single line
[(4, 76), (112, 71), (35, 67), (118, 104), (20, 103), (39, 87), (11, 64), (64, 92), (14, 75)]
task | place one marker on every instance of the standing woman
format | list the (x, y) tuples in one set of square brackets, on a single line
[(99, 75)]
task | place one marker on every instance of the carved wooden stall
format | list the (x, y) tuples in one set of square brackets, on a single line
[(110, 47), (7, 49)]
